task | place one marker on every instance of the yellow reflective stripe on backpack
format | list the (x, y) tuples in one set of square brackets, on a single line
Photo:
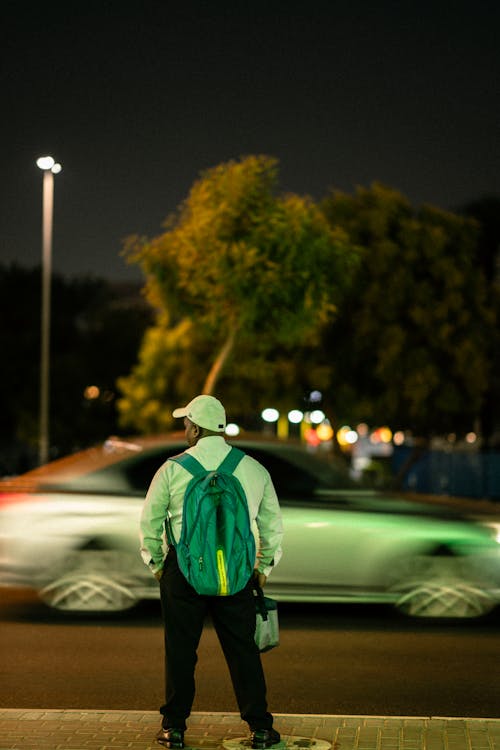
[(221, 570)]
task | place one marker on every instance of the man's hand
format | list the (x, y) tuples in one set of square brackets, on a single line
[(158, 574), (260, 578)]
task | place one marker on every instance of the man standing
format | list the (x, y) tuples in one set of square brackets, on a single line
[(183, 608)]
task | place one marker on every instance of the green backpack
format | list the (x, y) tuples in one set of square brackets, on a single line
[(216, 550)]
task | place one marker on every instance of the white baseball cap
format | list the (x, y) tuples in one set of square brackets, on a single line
[(205, 411)]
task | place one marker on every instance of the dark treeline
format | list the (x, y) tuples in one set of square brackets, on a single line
[(96, 328)]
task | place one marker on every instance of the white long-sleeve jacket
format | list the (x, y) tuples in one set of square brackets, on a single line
[(165, 498)]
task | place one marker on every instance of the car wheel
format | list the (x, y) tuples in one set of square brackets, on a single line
[(441, 586), (90, 580)]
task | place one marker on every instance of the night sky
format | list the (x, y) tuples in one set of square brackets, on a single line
[(135, 99)]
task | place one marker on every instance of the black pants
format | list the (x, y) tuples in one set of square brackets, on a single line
[(233, 617)]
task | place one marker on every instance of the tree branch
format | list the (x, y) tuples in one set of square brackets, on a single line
[(220, 361)]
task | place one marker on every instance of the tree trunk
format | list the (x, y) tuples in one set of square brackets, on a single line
[(218, 365)]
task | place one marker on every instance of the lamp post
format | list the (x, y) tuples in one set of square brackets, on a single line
[(50, 168)]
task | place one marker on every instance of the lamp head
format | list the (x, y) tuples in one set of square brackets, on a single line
[(47, 163)]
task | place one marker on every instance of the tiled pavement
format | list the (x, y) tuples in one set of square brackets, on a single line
[(30, 729)]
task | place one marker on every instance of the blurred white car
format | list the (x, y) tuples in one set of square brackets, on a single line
[(70, 530)]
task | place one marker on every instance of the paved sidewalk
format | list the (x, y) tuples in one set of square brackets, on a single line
[(29, 729)]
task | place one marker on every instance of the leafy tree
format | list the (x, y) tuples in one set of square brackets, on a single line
[(411, 339), (167, 363), (255, 274)]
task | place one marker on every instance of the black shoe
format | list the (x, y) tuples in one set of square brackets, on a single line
[(262, 738), (171, 737)]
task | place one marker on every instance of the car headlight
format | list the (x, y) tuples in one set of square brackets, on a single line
[(495, 530)]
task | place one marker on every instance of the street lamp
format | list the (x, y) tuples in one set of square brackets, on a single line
[(50, 168)]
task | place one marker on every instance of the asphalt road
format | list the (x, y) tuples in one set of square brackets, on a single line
[(332, 659)]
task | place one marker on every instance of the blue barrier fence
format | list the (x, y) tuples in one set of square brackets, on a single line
[(457, 473)]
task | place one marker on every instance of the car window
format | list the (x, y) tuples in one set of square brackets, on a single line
[(134, 474), (295, 471), (289, 480), (141, 470)]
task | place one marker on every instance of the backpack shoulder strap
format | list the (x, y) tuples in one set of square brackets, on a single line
[(231, 461), (190, 463)]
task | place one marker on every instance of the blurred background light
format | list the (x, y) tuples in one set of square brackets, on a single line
[(295, 416), (315, 397), (270, 415), (317, 416), (385, 434), (346, 435), (381, 435), (91, 392), (232, 429), (324, 432), (311, 438)]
